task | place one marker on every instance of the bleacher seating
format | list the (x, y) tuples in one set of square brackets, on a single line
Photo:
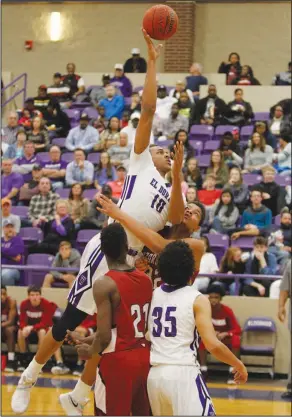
[(34, 276)]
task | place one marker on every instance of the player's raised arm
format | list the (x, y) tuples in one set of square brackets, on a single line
[(149, 97), (176, 204), (203, 316)]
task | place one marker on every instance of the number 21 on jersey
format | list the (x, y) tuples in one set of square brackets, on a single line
[(136, 311)]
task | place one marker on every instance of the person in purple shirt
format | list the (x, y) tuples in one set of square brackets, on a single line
[(121, 81), (55, 169), (25, 164), (12, 250), (11, 182), (105, 171)]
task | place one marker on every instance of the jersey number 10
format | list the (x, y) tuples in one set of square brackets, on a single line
[(158, 204)]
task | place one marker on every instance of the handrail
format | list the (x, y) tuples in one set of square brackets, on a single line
[(22, 90)]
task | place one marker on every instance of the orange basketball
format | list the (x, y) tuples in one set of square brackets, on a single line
[(160, 22)]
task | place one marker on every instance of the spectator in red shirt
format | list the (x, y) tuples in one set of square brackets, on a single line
[(117, 185), (36, 317), (209, 194), (225, 325)]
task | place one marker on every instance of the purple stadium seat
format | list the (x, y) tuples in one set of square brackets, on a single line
[(90, 194), (277, 220), (83, 237), (94, 158), (90, 87), (244, 242), (220, 130), (197, 145), (204, 161), (63, 192), (67, 157), (201, 132), (219, 244), (59, 142), (261, 116), (210, 146), (21, 211), (245, 133), (251, 179), (128, 101), (73, 114), (34, 276), (44, 156), (283, 180), (91, 112), (31, 234), (79, 106)]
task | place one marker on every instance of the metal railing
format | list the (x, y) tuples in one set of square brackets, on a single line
[(18, 92)]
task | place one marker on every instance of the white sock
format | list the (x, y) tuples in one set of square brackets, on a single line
[(34, 369), (204, 368), (81, 391), (230, 369), (11, 356)]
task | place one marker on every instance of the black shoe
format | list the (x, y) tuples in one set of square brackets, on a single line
[(10, 366), (20, 366), (78, 370), (287, 395)]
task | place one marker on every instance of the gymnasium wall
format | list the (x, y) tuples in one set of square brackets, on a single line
[(96, 36)]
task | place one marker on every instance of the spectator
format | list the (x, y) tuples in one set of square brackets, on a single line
[(131, 129), (163, 103), (172, 125), (226, 327), (97, 93), (42, 206), (262, 129), (101, 122), (191, 196), (196, 79), (25, 164), (83, 136), (38, 135), (121, 81), (57, 230), (79, 170), (232, 68), (258, 155), (280, 242), (209, 110), (185, 105), (241, 111), (36, 318), (120, 153), (224, 214), (55, 169), (135, 105), (11, 182), (42, 100), (60, 91), (233, 262), (57, 122), (208, 265), (238, 188), (125, 119), (182, 136), (16, 150), (273, 198), (246, 77), (218, 169), (109, 136), (118, 184), (105, 171), (180, 87), (8, 327), (230, 150), (30, 188), (283, 78), (184, 185), (67, 257), (283, 158), (9, 132), (75, 82), (136, 63), (286, 106), (114, 105), (278, 122), (256, 219), (261, 262), (78, 205), (8, 216), (12, 251), (208, 195), (25, 120), (192, 174)]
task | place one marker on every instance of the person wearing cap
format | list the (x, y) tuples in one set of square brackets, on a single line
[(163, 104), (226, 326), (131, 129), (9, 132), (114, 104), (11, 182), (75, 81), (117, 185), (136, 63), (120, 153), (30, 188), (42, 100), (83, 136), (7, 215), (60, 91), (180, 87), (97, 93), (12, 251), (121, 81), (283, 158), (196, 79)]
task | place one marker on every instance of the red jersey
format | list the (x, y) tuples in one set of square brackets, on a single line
[(130, 317), (40, 317), (224, 320), (117, 188), (208, 197)]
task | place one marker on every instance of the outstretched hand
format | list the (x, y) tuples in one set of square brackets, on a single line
[(108, 207), (153, 51), (178, 158)]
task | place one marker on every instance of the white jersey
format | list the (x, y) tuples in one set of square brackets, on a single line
[(172, 327)]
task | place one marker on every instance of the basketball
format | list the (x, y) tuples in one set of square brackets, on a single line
[(160, 22)]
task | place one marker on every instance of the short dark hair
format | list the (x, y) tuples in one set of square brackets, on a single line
[(79, 149), (176, 263), (113, 241), (34, 288), (228, 135), (203, 211), (257, 189), (3, 287), (216, 289), (238, 89), (260, 240)]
